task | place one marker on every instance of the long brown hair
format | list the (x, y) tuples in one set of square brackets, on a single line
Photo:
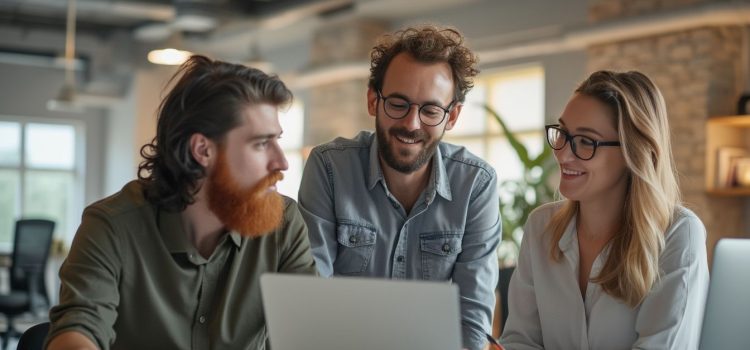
[(207, 98), (652, 196)]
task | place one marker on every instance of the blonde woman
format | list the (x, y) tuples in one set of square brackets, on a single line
[(618, 264)]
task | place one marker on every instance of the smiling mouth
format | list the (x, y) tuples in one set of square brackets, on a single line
[(571, 172), (407, 140)]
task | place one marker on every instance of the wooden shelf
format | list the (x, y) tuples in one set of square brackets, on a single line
[(729, 192), (741, 121), (732, 131)]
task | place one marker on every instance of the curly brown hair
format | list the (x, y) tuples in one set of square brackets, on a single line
[(428, 44)]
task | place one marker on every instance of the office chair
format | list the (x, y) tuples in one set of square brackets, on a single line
[(28, 292), (502, 286), (33, 338)]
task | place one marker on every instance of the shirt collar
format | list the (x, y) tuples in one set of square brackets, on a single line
[(175, 236), (375, 174), (569, 246), (439, 176), (569, 240), (438, 179)]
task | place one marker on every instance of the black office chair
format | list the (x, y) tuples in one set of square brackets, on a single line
[(28, 292), (502, 286), (33, 338)]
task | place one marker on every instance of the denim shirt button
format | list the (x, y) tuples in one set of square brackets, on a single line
[(447, 248), (352, 239), (400, 258)]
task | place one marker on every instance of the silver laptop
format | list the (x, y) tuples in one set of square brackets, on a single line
[(315, 313), (726, 324)]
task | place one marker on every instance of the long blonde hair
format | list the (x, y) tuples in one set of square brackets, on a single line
[(652, 196)]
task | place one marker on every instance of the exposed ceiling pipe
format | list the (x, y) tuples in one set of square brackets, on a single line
[(564, 41), (66, 96), (136, 10), (708, 15)]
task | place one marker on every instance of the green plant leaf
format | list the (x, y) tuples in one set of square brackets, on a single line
[(524, 195), (520, 149)]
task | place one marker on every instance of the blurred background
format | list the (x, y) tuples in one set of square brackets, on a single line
[(78, 93)]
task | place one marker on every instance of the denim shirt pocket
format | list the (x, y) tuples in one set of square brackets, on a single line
[(439, 253), (356, 246)]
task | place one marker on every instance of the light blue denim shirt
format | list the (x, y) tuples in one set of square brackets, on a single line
[(358, 228)]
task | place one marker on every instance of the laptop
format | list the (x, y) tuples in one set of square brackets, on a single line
[(726, 323), (315, 313)]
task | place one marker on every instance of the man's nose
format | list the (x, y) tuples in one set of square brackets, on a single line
[(278, 160), (412, 120)]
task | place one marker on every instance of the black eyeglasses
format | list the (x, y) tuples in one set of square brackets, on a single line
[(583, 147), (397, 107)]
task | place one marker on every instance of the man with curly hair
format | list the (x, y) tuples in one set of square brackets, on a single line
[(173, 260), (400, 203)]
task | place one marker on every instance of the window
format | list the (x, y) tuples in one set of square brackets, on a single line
[(517, 94), (40, 176), (292, 121)]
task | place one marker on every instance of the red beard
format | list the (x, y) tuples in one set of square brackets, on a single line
[(251, 212)]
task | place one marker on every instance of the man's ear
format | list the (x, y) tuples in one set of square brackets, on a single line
[(202, 149), (453, 116), (372, 102)]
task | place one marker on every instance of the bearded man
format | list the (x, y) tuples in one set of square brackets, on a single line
[(400, 203), (173, 260)]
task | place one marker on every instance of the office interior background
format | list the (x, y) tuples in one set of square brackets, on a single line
[(60, 152)]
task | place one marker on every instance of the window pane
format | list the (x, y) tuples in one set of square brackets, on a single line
[(475, 145), (519, 98), (10, 143), (292, 177), (471, 121), (50, 146), (9, 186), (49, 195), (503, 157), (292, 123)]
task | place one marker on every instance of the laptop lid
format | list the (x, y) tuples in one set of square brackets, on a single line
[(726, 323), (314, 313)]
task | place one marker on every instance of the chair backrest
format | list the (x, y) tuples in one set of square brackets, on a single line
[(503, 284), (33, 239), (33, 338)]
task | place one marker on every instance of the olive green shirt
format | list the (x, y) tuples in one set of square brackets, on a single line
[(133, 280)]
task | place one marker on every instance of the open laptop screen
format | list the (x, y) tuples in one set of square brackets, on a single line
[(313, 313)]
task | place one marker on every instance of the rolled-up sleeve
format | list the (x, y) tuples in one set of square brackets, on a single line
[(476, 268), (89, 294)]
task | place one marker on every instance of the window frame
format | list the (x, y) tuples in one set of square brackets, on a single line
[(78, 171)]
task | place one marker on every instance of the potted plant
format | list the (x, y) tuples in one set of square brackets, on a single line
[(518, 197)]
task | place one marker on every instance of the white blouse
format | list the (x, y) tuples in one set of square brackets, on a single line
[(546, 310)]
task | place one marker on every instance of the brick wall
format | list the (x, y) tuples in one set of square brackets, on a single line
[(340, 109), (602, 10), (699, 73)]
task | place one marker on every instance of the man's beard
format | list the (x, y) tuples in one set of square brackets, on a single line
[(389, 154), (251, 212)]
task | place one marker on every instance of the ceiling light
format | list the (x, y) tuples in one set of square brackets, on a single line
[(169, 56)]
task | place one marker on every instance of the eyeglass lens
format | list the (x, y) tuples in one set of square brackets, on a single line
[(582, 146), (429, 114)]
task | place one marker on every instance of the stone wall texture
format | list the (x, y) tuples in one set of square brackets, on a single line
[(699, 72), (340, 109)]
